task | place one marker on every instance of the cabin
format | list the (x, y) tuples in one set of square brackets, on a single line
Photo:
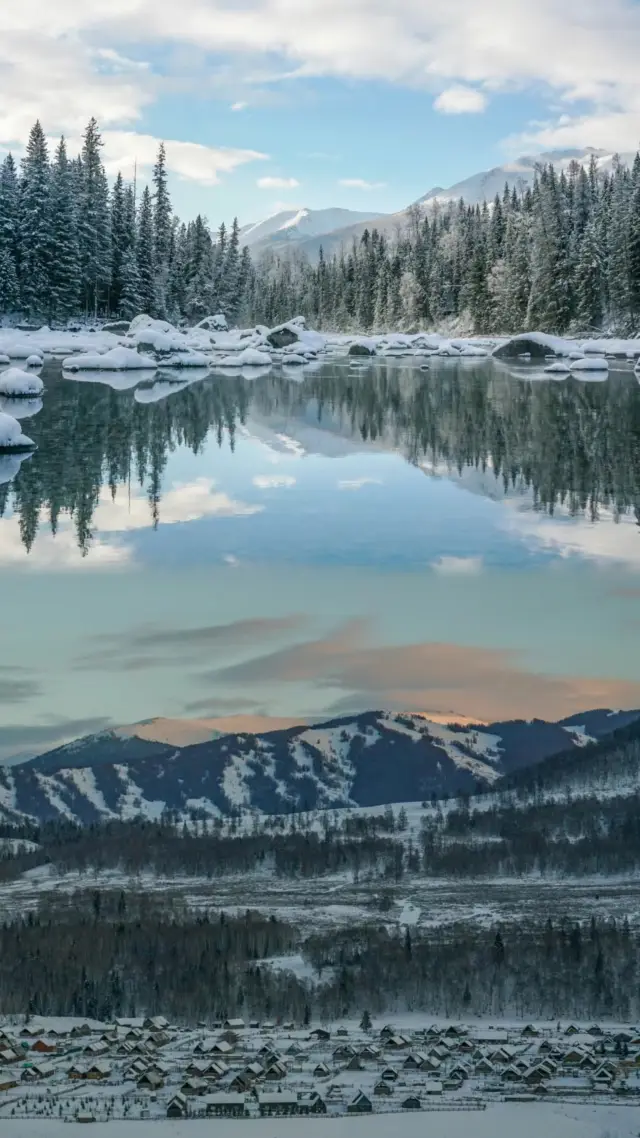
[(155, 1023), (225, 1104), (275, 1072), (320, 1034), (234, 1025), (484, 1066), (383, 1088), (95, 1048), (85, 1116), (279, 1103), (354, 1064), (98, 1070), (396, 1042), (8, 1081), (389, 1075), (535, 1075), (311, 1103), (37, 1071), (342, 1032), (568, 1086), (529, 1031), (343, 1051), (43, 1048), (321, 1071), (433, 1087), (194, 1086), (79, 1030), (8, 1056), (152, 1080), (242, 1083), (573, 1057), (413, 1061), (177, 1107), (370, 1052), (411, 1103), (595, 1030), (360, 1104), (571, 1029)]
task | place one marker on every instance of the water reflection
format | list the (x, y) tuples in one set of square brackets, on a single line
[(573, 444)]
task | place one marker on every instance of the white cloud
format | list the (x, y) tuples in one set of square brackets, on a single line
[(273, 481), (358, 483), (65, 60), (457, 566), (360, 184), (189, 160), (460, 101), (272, 183), (239, 106)]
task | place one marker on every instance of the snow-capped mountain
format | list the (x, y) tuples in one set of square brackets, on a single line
[(298, 224), (520, 174), (364, 760), (310, 235)]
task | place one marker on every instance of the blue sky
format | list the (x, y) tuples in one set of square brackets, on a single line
[(395, 98)]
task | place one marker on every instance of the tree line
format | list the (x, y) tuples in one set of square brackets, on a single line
[(104, 954), (563, 254)]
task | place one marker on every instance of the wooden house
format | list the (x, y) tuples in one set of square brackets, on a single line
[(383, 1088), (192, 1087), (272, 1103), (152, 1080), (225, 1104), (433, 1087), (311, 1103), (320, 1034), (234, 1025), (177, 1107), (360, 1104), (322, 1071), (411, 1103)]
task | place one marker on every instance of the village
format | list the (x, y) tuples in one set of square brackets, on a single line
[(145, 1068)]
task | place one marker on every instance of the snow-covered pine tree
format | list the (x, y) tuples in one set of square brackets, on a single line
[(120, 241), (9, 221), (161, 231), (145, 254), (64, 273), (34, 236), (230, 282), (94, 230)]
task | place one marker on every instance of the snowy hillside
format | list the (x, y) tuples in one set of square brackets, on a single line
[(519, 174), (298, 224), (365, 760)]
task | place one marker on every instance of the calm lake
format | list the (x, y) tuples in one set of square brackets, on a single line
[(461, 540)]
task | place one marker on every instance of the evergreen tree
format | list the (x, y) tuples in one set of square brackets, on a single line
[(94, 234), (9, 236), (161, 231), (145, 254), (65, 263), (122, 239), (34, 236)]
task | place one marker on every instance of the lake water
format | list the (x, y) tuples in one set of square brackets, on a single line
[(459, 541)]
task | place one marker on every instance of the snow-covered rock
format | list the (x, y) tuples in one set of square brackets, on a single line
[(15, 382), (590, 363), (284, 335), (4, 359), (293, 358), (448, 350), (362, 347), (248, 357), (11, 436), (144, 321), (116, 359), (216, 323), (538, 345), (558, 368), (188, 358), (34, 360), (17, 349), (475, 351)]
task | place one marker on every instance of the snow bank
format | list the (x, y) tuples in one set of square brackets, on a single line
[(590, 363), (144, 321), (15, 382), (249, 357), (116, 359), (11, 436)]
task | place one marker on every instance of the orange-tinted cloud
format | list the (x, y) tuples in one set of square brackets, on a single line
[(441, 678)]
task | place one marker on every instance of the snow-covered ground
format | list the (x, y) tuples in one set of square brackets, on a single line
[(509, 1120)]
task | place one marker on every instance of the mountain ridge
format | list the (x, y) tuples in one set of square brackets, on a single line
[(474, 189), (371, 759)]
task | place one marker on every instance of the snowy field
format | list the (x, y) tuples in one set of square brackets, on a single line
[(506, 1120)]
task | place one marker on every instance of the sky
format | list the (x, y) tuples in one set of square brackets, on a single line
[(273, 104)]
